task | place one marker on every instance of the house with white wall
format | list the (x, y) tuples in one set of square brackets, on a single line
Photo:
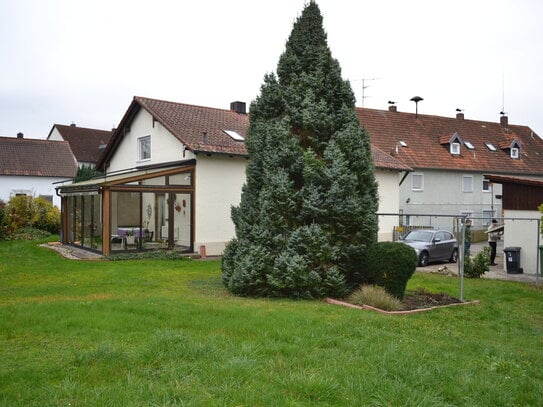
[(449, 157), (522, 197), (31, 167), (172, 173), (87, 144)]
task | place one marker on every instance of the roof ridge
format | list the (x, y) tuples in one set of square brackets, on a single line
[(140, 98)]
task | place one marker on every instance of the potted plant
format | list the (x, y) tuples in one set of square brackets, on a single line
[(130, 238)]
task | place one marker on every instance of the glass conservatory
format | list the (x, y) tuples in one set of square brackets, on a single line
[(142, 209)]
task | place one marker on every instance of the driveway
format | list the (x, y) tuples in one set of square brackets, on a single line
[(498, 272)]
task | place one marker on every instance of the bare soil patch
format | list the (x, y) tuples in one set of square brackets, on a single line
[(420, 299)]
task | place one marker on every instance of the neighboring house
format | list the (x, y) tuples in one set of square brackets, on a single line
[(173, 172), (521, 198), (86, 144), (31, 166), (449, 157)]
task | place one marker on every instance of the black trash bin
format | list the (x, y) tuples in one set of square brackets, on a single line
[(512, 260)]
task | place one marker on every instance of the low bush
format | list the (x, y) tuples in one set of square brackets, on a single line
[(29, 233), (2, 219), (475, 267), (153, 254), (375, 296), (391, 265), (28, 212)]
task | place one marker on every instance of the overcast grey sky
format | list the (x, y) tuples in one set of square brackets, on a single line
[(65, 61)]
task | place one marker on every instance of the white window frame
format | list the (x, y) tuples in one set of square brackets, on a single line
[(414, 186), (141, 151), (489, 188), (515, 152), (464, 179), (455, 148)]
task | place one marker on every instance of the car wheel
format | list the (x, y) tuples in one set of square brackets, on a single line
[(454, 256), (423, 259)]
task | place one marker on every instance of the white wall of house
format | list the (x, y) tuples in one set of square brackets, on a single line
[(164, 146), (219, 180), (33, 186), (523, 234), (445, 192), (389, 190), (55, 135)]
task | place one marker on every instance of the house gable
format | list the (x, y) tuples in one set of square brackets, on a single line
[(87, 144), (143, 131)]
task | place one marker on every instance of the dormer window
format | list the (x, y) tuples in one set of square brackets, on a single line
[(454, 141), (512, 147), (455, 148)]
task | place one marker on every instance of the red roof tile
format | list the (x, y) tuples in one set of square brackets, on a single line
[(423, 135), (84, 142), (39, 158), (189, 123)]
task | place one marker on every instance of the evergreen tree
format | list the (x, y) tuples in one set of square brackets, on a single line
[(307, 211), (86, 172)]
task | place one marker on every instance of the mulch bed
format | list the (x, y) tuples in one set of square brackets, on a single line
[(414, 301)]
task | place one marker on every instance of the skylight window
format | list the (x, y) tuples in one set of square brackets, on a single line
[(403, 143), (234, 134), (469, 145), (490, 146)]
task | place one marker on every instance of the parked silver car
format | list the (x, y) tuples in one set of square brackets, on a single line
[(432, 245)]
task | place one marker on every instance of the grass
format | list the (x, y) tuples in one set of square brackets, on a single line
[(165, 332)]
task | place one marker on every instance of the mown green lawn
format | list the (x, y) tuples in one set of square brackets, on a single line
[(166, 333)]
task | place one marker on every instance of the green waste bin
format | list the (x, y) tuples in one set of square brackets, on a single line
[(540, 260)]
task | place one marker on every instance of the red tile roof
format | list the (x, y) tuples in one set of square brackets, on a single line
[(39, 158), (424, 134), (84, 142), (189, 123)]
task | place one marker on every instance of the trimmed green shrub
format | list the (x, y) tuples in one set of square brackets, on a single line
[(475, 267), (391, 265), (29, 233), (28, 212), (2, 219), (375, 296)]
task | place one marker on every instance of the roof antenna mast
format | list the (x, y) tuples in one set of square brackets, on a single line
[(503, 92), (364, 87)]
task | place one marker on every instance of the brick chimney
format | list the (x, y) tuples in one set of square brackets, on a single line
[(392, 108), (460, 116), (20, 135), (504, 121), (238, 107)]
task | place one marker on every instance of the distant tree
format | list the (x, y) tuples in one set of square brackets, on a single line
[(307, 211), (86, 172)]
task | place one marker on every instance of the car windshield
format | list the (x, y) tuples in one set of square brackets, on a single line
[(419, 235)]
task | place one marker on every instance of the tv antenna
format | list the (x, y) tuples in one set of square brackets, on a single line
[(364, 87)]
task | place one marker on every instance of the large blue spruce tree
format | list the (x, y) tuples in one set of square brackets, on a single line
[(307, 211)]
